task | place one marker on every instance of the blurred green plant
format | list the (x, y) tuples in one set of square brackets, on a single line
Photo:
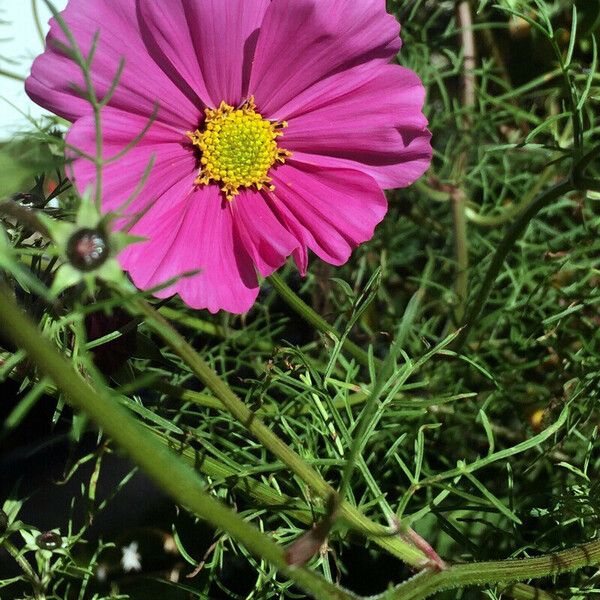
[(448, 387)]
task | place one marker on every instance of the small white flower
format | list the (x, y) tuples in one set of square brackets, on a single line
[(131, 560), (101, 573)]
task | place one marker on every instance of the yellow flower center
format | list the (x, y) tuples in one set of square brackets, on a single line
[(238, 148)]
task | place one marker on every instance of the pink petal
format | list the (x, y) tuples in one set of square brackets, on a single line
[(367, 118), (173, 160), (209, 43), (189, 231), (412, 158), (265, 238), (143, 83), (304, 41), (330, 210)]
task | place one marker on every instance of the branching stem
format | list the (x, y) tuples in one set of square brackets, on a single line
[(312, 318), (512, 235), (173, 475), (378, 533), (494, 572), (459, 198), (27, 569)]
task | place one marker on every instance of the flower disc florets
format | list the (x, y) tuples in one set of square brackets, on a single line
[(238, 148)]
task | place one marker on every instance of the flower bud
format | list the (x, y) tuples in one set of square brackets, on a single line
[(48, 541), (87, 249)]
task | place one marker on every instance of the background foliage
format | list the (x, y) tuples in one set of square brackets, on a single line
[(488, 449)]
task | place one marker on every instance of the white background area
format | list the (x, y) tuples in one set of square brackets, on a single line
[(19, 44)]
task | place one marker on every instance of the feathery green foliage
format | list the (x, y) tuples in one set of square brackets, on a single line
[(457, 366)]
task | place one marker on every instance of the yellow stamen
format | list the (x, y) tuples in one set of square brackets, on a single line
[(238, 148)]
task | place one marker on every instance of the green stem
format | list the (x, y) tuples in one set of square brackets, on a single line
[(84, 63), (173, 475), (312, 318), (211, 329), (389, 364), (187, 395), (11, 75), (237, 478), (494, 572), (512, 235), (207, 401), (37, 21), (379, 533), (31, 575), (508, 213), (461, 283), (459, 200)]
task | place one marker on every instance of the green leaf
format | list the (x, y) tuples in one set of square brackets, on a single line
[(87, 215), (111, 271), (150, 415), (119, 240), (65, 277), (60, 231)]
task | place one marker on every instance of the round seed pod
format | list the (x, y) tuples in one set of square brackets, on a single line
[(87, 249), (48, 541)]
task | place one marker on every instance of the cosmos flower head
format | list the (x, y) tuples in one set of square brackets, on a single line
[(275, 127)]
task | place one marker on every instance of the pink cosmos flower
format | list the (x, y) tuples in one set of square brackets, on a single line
[(279, 124)]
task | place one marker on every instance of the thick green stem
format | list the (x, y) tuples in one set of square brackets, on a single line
[(172, 474), (183, 484), (312, 318), (497, 572), (380, 534), (459, 199), (512, 235)]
